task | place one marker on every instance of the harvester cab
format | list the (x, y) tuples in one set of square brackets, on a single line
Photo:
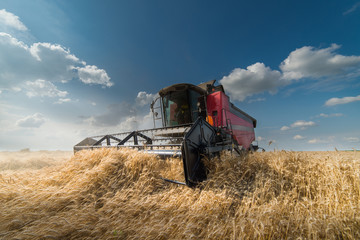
[(191, 122)]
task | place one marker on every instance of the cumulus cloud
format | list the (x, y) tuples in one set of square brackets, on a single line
[(344, 100), (9, 20), (124, 116), (299, 124), (144, 98), (33, 121), (38, 61), (91, 74), (298, 137), (284, 128), (119, 119), (304, 62), (114, 115), (51, 62), (316, 63), (129, 124), (302, 124), (42, 88), (257, 78), (314, 140)]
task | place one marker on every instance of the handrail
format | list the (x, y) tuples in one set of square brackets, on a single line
[(227, 121)]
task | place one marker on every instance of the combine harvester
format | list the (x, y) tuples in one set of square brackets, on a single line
[(196, 122)]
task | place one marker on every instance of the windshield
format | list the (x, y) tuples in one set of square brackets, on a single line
[(180, 107)]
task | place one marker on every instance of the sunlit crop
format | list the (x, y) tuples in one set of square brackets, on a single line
[(119, 194)]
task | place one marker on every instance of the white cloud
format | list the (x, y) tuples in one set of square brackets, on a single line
[(314, 140), (63, 100), (352, 9), (123, 116), (344, 100), (138, 122), (144, 98), (33, 121), (284, 128), (305, 62), (52, 52), (114, 115), (42, 88), (324, 115), (9, 20), (256, 100), (91, 74), (298, 137), (16, 89), (112, 122), (352, 139), (51, 62), (299, 124), (129, 124), (302, 124), (256, 78), (316, 63)]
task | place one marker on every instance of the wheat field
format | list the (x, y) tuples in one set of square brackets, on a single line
[(119, 194)]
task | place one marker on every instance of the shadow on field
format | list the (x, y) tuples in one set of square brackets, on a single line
[(245, 175)]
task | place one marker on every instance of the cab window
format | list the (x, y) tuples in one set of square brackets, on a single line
[(176, 108)]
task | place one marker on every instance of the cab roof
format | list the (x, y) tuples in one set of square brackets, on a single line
[(202, 88), (181, 87)]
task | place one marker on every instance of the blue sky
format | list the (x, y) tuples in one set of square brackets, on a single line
[(72, 69)]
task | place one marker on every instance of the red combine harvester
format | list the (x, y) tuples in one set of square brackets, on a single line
[(196, 122)]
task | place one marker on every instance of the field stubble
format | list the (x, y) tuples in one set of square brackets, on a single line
[(111, 194)]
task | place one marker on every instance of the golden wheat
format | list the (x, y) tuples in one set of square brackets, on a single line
[(119, 194)]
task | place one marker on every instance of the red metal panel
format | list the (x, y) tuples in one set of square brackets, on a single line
[(214, 107), (242, 129)]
